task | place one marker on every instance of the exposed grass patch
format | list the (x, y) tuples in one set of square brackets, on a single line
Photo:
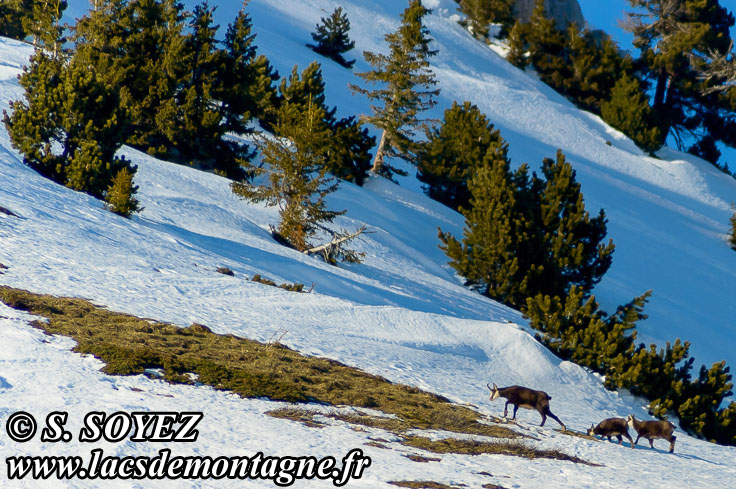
[(225, 271), (475, 447), (295, 287), (128, 345), (423, 485), (424, 460), (304, 416)]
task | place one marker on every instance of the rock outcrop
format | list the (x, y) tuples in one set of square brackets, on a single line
[(563, 11)]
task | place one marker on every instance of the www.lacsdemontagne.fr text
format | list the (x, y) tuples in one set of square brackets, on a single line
[(283, 471)]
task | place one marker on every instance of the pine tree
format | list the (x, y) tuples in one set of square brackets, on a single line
[(297, 180), (332, 38), (70, 124), (629, 111), (677, 40), (575, 252), (547, 49), (481, 13), (247, 88), (453, 151), (517, 46), (12, 15), (43, 24), (348, 152), (406, 90), (486, 257), (119, 196), (732, 234)]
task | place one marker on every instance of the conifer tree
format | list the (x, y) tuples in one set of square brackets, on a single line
[(70, 124), (43, 24), (119, 196), (12, 15), (676, 38), (629, 111), (481, 13), (348, 153), (487, 257), (332, 37), (247, 88), (406, 90), (732, 234), (297, 180), (517, 45), (575, 252), (453, 152), (547, 48)]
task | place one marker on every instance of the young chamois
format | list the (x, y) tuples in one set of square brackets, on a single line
[(652, 430), (612, 427), (525, 398)]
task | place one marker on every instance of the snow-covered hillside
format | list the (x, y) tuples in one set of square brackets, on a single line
[(402, 314)]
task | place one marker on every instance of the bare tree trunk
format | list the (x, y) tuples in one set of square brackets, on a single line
[(378, 159)]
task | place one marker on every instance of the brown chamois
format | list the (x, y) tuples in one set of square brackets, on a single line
[(612, 427), (652, 430), (525, 398)]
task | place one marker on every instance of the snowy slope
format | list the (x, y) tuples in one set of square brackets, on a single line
[(402, 314)]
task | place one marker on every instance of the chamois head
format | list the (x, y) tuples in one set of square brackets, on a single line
[(494, 391), (590, 430)]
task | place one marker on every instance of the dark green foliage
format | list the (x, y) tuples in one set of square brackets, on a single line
[(453, 152), (347, 154), (12, 14), (732, 233), (576, 329), (629, 111), (575, 252), (70, 124), (42, 21), (525, 236), (297, 181), (588, 69), (406, 88), (247, 88), (481, 13), (678, 41), (517, 45), (119, 195), (487, 256), (332, 38)]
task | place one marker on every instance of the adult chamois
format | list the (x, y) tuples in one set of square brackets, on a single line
[(525, 398), (612, 427), (652, 430)]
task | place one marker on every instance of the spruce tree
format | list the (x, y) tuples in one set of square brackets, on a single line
[(629, 111), (547, 48), (332, 37), (732, 234), (12, 15), (453, 152), (406, 89), (297, 180)]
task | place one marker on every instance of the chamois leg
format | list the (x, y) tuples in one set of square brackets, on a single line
[(506, 409), (628, 437), (549, 413), (620, 440), (672, 444), (516, 408), (651, 442), (637, 440)]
